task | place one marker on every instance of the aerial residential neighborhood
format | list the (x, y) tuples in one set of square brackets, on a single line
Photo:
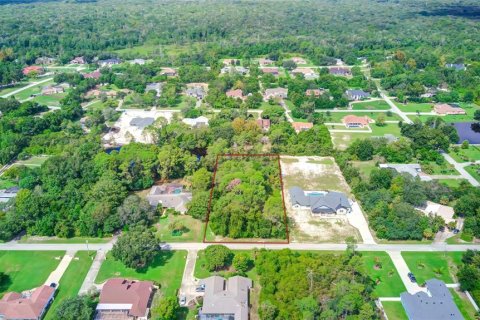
[(239, 160)]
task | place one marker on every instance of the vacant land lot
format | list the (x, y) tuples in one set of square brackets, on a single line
[(428, 265), (165, 270), (380, 268), (394, 310), (71, 280), (342, 140), (415, 107), (371, 105), (50, 100), (27, 269), (465, 155), (365, 167), (193, 231)]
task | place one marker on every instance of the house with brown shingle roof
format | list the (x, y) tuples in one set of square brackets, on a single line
[(125, 299), (340, 71), (264, 124), (92, 75), (299, 60), (236, 94), (28, 305), (78, 60), (265, 61), (444, 109), (271, 70), (353, 121), (301, 126), (169, 72)]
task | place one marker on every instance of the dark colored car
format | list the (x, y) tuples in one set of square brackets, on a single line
[(455, 231), (412, 277), (200, 288)]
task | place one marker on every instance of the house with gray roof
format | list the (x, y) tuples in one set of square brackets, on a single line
[(156, 86), (413, 169), (196, 92), (329, 202), (435, 304), (7, 194), (225, 299), (170, 196), (456, 66), (357, 95)]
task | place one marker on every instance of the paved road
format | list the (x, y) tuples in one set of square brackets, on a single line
[(287, 112), (33, 84), (460, 168), (394, 107)]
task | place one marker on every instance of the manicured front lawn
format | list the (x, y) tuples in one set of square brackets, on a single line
[(394, 310), (385, 275), (50, 100), (465, 155), (166, 270), (337, 117), (469, 108), (436, 169), (193, 229), (371, 105), (452, 183), (27, 269), (463, 304), (32, 90), (474, 170), (415, 107), (71, 280), (428, 265)]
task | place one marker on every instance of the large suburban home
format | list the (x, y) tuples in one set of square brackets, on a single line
[(340, 71), (302, 126), (234, 69), (314, 92), (197, 90), (413, 169), (324, 203), (169, 72), (45, 60), (170, 196), (196, 122), (456, 66), (435, 304), (32, 69), (156, 86), (353, 121), (298, 60), (49, 90), (271, 70), (307, 73), (437, 209), (236, 94), (109, 62), (7, 194), (225, 299), (265, 62), (78, 60), (28, 305), (125, 299), (264, 124), (444, 109), (92, 75), (356, 95), (275, 93)]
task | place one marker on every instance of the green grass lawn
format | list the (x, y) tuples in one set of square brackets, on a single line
[(469, 108), (388, 282), (365, 167), (22, 95), (371, 105), (436, 169), (465, 155), (50, 100), (193, 232), (474, 170), (394, 310), (166, 270), (71, 280), (343, 139), (74, 240), (428, 265), (6, 183), (463, 304), (338, 116), (32, 162), (415, 107), (452, 183), (15, 87), (27, 269)]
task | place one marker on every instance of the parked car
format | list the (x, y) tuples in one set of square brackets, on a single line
[(412, 277), (183, 300), (200, 288), (456, 231)]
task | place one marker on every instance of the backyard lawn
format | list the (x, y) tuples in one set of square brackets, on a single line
[(166, 270), (380, 268), (463, 304), (415, 107), (394, 310), (371, 105), (50, 100), (474, 170), (465, 155), (71, 280), (193, 229), (452, 183), (27, 269), (428, 265), (25, 94)]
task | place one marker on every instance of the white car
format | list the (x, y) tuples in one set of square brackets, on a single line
[(183, 300)]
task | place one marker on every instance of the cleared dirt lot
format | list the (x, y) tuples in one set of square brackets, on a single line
[(315, 173)]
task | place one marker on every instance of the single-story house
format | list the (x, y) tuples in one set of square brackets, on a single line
[(138, 61), (33, 69), (435, 304), (329, 202), (169, 72), (308, 73), (448, 109), (264, 124), (49, 90), (274, 93), (92, 75), (314, 92), (109, 62), (456, 66), (413, 169), (170, 195), (225, 299), (340, 71), (236, 94), (271, 70), (28, 305), (197, 90), (125, 299), (302, 126), (265, 61), (45, 60), (196, 122), (79, 60), (234, 69), (298, 60), (230, 62), (353, 121), (437, 209), (357, 94), (7, 194), (156, 86)]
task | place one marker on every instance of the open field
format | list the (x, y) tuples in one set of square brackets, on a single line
[(371, 105), (165, 270), (465, 155), (342, 140), (71, 280), (15, 87), (428, 265), (50, 100), (32, 162), (27, 269), (453, 183), (25, 94), (193, 229), (415, 107), (394, 310), (380, 268)]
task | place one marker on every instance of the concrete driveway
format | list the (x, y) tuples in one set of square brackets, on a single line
[(357, 219), (189, 282), (403, 271)]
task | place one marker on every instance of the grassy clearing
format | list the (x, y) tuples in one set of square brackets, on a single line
[(452, 183), (474, 171), (32, 162), (394, 310), (371, 105), (71, 280), (6, 183), (193, 229), (463, 304), (50, 100), (74, 240), (15, 87), (365, 167), (27, 269), (436, 169), (381, 269), (465, 155), (428, 265), (25, 94), (415, 107), (165, 270)]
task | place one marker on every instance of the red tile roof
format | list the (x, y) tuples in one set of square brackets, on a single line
[(264, 123), (444, 108), (29, 69), (15, 306), (352, 119), (301, 126), (235, 94), (92, 75)]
